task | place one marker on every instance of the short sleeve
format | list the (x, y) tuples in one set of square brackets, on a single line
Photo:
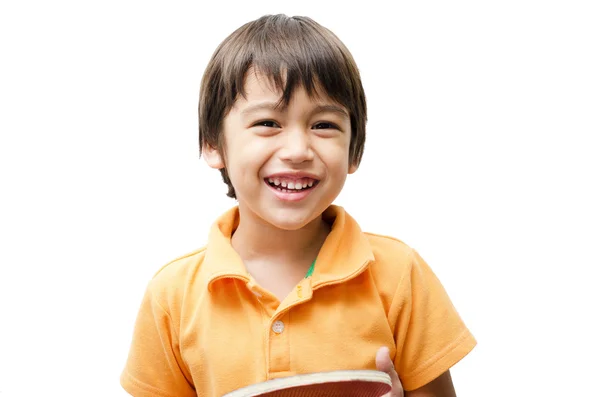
[(154, 367), (430, 335)]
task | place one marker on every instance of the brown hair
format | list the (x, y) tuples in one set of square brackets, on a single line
[(291, 51)]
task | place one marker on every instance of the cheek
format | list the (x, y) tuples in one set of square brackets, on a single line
[(245, 157), (334, 155)]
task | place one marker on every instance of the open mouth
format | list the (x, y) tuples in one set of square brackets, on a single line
[(287, 185)]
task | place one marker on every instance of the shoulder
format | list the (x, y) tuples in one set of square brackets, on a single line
[(390, 254), (181, 266), (392, 267), (171, 281), (387, 246)]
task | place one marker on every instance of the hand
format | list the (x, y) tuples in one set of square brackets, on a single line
[(384, 363)]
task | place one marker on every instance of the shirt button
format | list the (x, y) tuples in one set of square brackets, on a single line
[(278, 327)]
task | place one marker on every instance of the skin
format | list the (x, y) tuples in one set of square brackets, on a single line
[(278, 239)]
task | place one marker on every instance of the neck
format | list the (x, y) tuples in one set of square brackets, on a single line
[(255, 239)]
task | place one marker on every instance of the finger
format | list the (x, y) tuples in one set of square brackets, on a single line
[(384, 363), (383, 360)]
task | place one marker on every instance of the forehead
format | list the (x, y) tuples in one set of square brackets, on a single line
[(257, 84), (259, 87)]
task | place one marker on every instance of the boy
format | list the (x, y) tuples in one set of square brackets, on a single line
[(288, 283)]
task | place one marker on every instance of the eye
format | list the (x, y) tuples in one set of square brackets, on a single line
[(325, 126), (266, 123)]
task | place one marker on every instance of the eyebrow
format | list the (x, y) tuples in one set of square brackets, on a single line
[(325, 108)]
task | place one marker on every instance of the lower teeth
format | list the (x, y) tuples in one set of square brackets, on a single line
[(288, 190)]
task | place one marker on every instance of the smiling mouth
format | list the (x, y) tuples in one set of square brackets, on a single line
[(292, 186)]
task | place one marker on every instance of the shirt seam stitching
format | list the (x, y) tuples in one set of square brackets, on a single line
[(144, 386), (437, 357)]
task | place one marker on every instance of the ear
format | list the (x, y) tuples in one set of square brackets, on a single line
[(352, 168), (212, 157)]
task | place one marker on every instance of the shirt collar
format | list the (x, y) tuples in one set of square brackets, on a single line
[(344, 254)]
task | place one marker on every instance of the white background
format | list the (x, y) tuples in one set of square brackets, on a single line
[(482, 153)]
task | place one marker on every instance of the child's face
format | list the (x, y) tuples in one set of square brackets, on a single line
[(304, 147)]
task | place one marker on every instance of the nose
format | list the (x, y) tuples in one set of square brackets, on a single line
[(296, 147)]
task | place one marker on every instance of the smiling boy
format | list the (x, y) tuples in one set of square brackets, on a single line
[(288, 283)]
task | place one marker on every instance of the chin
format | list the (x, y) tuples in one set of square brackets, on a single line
[(290, 220), (289, 224)]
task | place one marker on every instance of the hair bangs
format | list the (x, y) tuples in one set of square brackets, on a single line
[(292, 53)]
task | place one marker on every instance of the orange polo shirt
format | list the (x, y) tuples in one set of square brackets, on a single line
[(206, 328)]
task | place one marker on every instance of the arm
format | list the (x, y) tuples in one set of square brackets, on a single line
[(155, 367), (442, 386), (430, 335)]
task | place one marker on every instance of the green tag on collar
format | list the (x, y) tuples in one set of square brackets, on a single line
[(310, 270)]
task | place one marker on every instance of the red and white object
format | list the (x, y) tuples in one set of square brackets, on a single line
[(360, 383)]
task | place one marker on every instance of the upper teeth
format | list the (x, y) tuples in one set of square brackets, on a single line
[(292, 184)]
